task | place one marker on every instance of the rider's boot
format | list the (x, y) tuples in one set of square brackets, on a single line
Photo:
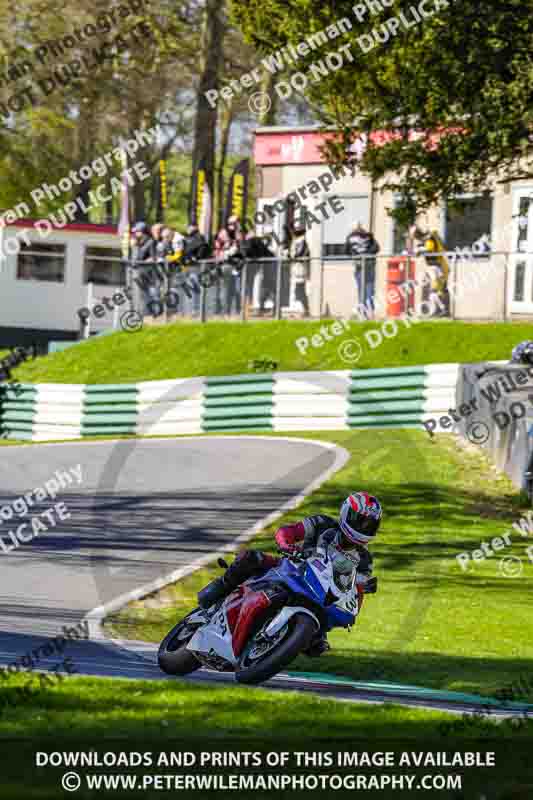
[(246, 565), (319, 645), (213, 592)]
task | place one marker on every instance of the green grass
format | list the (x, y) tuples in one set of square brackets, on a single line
[(104, 715), (430, 624), (219, 348), (118, 707)]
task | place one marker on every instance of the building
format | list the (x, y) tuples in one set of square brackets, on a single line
[(288, 158), (45, 272)]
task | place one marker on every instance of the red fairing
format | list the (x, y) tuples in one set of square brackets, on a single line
[(360, 595), (252, 605), (288, 535), (233, 607)]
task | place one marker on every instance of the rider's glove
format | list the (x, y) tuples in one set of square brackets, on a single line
[(371, 586), (289, 548)]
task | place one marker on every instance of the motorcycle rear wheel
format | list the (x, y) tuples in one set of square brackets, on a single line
[(173, 656), (301, 629)]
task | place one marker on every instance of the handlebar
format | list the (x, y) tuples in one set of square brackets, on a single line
[(294, 555)]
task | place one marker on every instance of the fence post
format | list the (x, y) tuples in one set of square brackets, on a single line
[(277, 309), (86, 329), (244, 272), (203, 303), (363, 282), (321, 286), (452, 297), (505, 285)]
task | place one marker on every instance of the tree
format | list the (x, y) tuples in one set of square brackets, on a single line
[(213, 31), (87, 115), (452, 92)]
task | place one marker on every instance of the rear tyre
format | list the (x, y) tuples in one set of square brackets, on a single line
[(300, 630), (173, 656)]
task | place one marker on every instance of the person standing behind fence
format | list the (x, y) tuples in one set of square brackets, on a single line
[(166, 255), (361, 245), (144, 249), (195, 250), (196, 247), (299, 255), (226, 248), (435, 256)]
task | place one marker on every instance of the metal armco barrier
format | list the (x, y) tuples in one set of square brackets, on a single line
[(503, 425)]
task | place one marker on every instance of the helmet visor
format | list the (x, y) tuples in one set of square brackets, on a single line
[(362, 523)]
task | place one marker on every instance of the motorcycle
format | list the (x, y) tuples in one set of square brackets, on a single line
[(266, 622)]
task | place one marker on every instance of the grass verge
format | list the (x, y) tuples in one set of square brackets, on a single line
[(218, 348)]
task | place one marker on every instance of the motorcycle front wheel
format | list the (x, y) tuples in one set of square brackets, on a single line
[(256, 666), (173, 656)]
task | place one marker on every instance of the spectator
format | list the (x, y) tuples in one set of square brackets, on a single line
[(196, 246), (361, 245), (144, 250), (143, 244), (165, 247), (254, 249), (414, 241), (299, 254), (227, 251), (435, 255), (195, 250), (269, 275), (166, 252), (156, 231)]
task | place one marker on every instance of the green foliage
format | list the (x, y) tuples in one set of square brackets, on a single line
[(85, 118), (462, 75)]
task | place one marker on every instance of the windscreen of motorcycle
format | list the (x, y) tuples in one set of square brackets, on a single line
[(344, 568)]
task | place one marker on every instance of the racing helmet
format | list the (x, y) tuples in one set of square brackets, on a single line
[(523, 353), (360, 518)]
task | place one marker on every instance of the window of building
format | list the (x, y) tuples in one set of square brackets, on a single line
[(41, 262), (399, 234), (340, 225), (523, 225), (519, 281), (103, 265), (468, 220)]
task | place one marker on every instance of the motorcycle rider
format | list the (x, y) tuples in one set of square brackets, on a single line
[(358, 524)]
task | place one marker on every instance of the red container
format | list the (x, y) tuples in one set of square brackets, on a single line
[(400, 294)]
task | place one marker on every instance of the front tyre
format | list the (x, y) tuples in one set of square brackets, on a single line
[(173, 656), (255, 667)]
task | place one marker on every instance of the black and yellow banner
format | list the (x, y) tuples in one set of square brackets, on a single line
[(237, 195), (200, 201), (162, 190)]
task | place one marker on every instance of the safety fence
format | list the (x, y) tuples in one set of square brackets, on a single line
[(454, 285), (283, 401), (500, 415)]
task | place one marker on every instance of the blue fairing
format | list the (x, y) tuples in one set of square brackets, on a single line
[(305, 582)]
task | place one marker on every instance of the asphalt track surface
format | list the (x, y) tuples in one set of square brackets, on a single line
[(145, 510)]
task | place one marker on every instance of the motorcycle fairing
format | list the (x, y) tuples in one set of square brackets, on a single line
[(214, 637), (318, 578), (253, 605)]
